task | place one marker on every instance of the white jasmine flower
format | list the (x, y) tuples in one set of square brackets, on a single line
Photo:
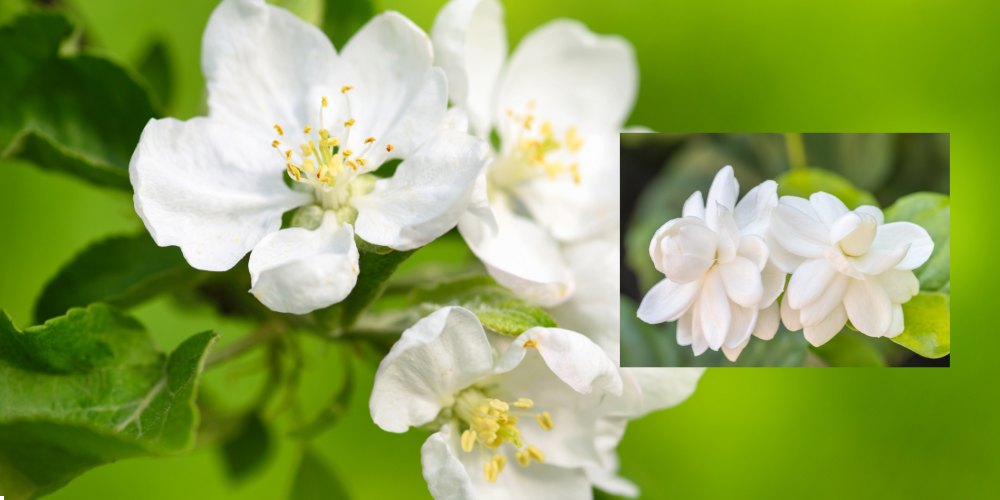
[(286, 109), (556, 106), (845, 264), (720, 283), (514, 418)]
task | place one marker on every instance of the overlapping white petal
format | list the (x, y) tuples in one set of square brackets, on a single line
[(846, 265), (718, 274)]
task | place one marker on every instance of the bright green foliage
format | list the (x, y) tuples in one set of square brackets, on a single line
[(805, 182), (927, 325), (342, 18), (121, 270), (80, 114), (157, 70), (315, 480), (248, 450), (932, 211), (86, 389), (496, 307)]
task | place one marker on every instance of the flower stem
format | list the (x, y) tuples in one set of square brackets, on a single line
[(267, 332), (796, 151)]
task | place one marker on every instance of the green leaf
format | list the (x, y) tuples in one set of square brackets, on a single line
[(495, 306), (315, 480), (86, 389), (785, 349), (341, 18), (927, 325), (248, 450), (121, 270), (157, 70), (310, 11), (849, 348), (932, 211), (805, 182), (866, 159), (80, 114)]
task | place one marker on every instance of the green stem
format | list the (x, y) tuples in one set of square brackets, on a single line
[(796, 151), (267, 332)]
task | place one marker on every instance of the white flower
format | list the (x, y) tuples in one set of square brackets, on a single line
[(285, 108), (514, 418), (845, 265), (556, 106), (720, 284)]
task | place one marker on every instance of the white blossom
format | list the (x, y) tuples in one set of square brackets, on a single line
[(845, 265), (720, 284), (284, 108)]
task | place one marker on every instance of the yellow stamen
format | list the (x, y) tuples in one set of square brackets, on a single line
[(278, 129), (523, 458), (307, 129), (389, 147), (369, 140), (535, 453), (362, 161), (275, 143), (324, 102), (530, 343), (491, 471), (544, 420), (468, 440), (346, 88), (288, 154), (500, 461), (523, 403), (354, 166), (349, 122), (294, 171), (348, 152)]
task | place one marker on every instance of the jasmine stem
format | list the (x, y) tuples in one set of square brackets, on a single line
[(796, 151)]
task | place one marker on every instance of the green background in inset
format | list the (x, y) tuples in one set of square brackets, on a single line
[(843, 66)]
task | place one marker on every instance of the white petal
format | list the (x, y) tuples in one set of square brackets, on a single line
[(733, 353), (790, 317), (727, 232), (900, 234), (656, 389), (742, 281), (576, 360), (901, 286), (689, 253), (822, 332), (879, 260), (868, 307), (832, 296), (723, 193), (875, 212), (214, 202), (808, 282), (714, 311), (800, 233), (259, 63), (828, 207), (445, 474), (753, 247), (573, 77), (786, 261), (433, 359), (398, 97), (842, 263), (299, 270), (667, 301), (685, 328), (470, 44), (520, 256), (753, 212), (767, 322), (741, 326), (896, 327), (698, 343), (610, 482), (426, 196), (773, 280), (694, 206)]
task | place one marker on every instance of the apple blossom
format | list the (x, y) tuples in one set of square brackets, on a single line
[(556, 106), (720, 284), (845, 265), (293, 124)]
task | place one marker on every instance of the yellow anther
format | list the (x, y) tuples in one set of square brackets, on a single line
[(324, 133), (389, 147), (523, 403), (535, 453), (527, 121), (573, 141), (346, 88), (354, 166), (500, 461), (324, 102), (307, 129), (278, 129), (523, 458), (491, 471), (306, 149), (294, 171), (275, 143), (288, 154), (530, 343), (347, 152), (468, 440), (369, 140), (574, 170), (496, 404), (349, 122), (544, 420), (361, 161), (309, 166)]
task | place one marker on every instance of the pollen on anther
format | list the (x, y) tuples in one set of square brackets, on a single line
[(349, 122), (278, 129), (389, 147), (324, 101), (348, 152), (346, 88), (307, 129), (369, 140), (275, 143)]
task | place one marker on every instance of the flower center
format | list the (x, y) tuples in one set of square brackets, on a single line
[(493, 422), (324, 161), (536, 148)]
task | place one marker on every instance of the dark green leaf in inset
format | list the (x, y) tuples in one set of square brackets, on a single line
[(931, 211), (866, 159), (850, 348), (804, 182), (315, 480), (495, 306), (86, 389), (121, 270), (927, 325)]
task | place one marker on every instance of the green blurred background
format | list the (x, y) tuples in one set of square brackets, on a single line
[(844, 66)]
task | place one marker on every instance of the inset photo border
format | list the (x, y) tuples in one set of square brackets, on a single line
[(814, 250)]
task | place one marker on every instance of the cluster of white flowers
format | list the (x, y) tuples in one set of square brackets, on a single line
[(294, 125), (726, 265)]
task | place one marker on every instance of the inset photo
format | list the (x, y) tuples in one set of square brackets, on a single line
[(805, 250)]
